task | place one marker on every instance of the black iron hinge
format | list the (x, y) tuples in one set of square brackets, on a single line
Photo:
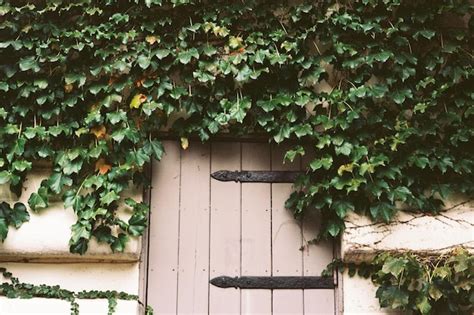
[(256, 176), (274, 282)]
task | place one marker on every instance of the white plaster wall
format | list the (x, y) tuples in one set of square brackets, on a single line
[(77, 277), (359, 297), (38, 252), (43, 238), (423, 234)]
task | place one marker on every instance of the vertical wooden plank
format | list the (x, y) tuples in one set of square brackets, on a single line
[(225, 229), (315, 258), (286, 240), (194, 231), (256, 229), (163, 254)]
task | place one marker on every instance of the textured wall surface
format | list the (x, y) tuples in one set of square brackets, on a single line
[(424, 234), (38, 253)]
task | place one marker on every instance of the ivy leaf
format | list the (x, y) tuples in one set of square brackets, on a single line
[(143, 61), (116, 117), (3, 229), (38, 201), (283, 133), (344, 149), (81, 229), (155, 148), (80, 247), (119, 243), (162, 53), (382, 211), (392, 297), (57, 181), (28, 63), (109, 197), (324, 162), (5, 177), (103, 234), (400, 96), (334, 229), (137, 224), (303, 130), (342, 207), (423, 305), (185, 56), (137, 100), (394, 266), (19, 215)]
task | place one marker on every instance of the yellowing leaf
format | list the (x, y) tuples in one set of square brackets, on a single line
[(137, 100), (151, 39), (184, 143), (68, 88), (102, 167), (235, 42), (345, 168), (99, 131)]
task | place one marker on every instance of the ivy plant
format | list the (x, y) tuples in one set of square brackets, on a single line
[(378, 91), (421, 285), (13, 288)]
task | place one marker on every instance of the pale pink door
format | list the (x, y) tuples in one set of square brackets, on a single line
[(202, 228)]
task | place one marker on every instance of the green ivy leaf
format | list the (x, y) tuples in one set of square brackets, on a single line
[(324, 162), (143, 61), (154, 148), (392, 297), (5, 177), (109, 197), (394, 266), (137, 224), (3, 229), (119, 243), (57, 181), (185, 56), (38, 201), (28, 63), (423, 305), (19, 215), (342, 207), (81, 229)]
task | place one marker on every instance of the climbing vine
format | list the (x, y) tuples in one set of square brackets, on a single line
[(379, 91), (13, 288), (423, 285)]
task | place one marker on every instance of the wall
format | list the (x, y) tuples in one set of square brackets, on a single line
[(38, 252), (423, 234)]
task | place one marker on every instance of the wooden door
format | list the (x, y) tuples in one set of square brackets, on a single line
[(202, 228)]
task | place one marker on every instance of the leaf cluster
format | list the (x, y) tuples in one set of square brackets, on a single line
[(377, 92), (422, 285), (13, 288)]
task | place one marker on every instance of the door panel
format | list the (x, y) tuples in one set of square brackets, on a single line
[(163, 238), (286, 239), (256, 229), (193, 245), (225, 228), (202, 228)]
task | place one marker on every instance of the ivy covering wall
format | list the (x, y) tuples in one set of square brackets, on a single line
[(379, 91)]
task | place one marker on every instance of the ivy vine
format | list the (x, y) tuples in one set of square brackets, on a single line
[(13, 288), (379, 91), (382, 90), (422, 285)]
